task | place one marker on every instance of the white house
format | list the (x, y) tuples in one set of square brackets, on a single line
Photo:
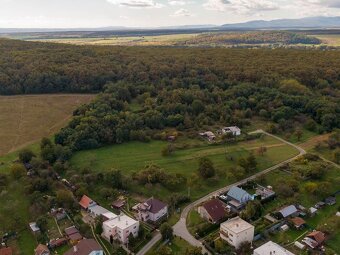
[(151, 210), (271, 248), (236, 231), (119, 228), (233, 129)]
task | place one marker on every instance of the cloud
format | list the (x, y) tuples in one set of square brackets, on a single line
[(324, 3), (177, 2), (241, 6), (182, 13), (136, 3)]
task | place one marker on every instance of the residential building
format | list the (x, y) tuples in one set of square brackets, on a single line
[(214, 210), (151, 210), (314, 239), (6, 251), (97, 210), (119, 228), (208, 135), (118, 204), (54, 243), (235, 131), (288, 211), (41, 250), (86, 247), (73, 235), (86, 202), (237, 231), (264, 193), (271, 248), (238, 198), (298, 222)]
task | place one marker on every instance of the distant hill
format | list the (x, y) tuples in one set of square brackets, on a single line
[(311, 22)]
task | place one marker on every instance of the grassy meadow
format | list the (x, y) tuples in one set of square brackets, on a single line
[(26, 119), (133, 156)]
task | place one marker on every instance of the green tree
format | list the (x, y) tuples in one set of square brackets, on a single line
[(17, 171), (194, 251), (206, 168), (166, 231), (26, 155)]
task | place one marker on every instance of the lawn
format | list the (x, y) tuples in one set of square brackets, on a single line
[(26, 119), (178, 247)]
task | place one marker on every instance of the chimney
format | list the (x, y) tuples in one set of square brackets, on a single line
[(118, 217), (75, 249), (127, 223)]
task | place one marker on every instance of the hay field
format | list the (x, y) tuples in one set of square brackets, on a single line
[(25, 119)]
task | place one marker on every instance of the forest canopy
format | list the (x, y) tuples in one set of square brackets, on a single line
[(145, 89)]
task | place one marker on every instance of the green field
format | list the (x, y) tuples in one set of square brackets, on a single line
[(178, 246), (133, 156)]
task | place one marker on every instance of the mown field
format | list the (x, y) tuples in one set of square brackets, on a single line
[(25, 119), (331, 39)]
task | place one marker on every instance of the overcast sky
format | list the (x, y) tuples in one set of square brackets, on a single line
[(154, 13)]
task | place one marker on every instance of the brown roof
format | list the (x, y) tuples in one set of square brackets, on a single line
[(6, 251), (297, 221), (85, 201), (118, 203), (84, 247), (215, 208), (71, 230), (41, 249), (155, 205), (318, 236)]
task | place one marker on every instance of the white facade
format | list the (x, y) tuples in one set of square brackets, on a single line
[(120, 228), (271, 248), (97, 253), (234, 130), (147, 215), (236, 231)]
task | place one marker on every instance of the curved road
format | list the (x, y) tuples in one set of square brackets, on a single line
[(180, 228)]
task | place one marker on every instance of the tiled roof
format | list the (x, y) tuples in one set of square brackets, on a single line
[(318, 236), (41, 248), (84, 247), (297, 221), (155, 205), (85, 201), (6, 251), (215, 208)]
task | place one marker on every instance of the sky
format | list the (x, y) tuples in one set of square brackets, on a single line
[(154, 13)]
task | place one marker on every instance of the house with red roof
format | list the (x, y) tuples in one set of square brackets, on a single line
[(314, 239), (151, 210), (73, 234), (41, 250), (214, 210), (6, 251), (86, 202)]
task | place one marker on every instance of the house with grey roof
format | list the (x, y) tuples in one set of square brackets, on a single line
[(289, 211), (238, 198), (97, 210)]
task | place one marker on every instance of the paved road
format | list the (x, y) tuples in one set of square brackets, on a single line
[(149, 245), (180, 228)]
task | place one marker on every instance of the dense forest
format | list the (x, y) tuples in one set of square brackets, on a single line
[(255, 37), (146, 89)]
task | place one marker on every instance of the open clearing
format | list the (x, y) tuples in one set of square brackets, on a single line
[(133, 156), (331, 39), (25, 119)]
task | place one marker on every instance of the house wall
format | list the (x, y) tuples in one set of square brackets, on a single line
[(108, 231), (235, 239), (160, 214), (123, 234), (204, 214)]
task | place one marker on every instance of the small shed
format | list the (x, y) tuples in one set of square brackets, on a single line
[(299, 245), (285, 227), (34, 227), (288, 211), (313, 211)]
